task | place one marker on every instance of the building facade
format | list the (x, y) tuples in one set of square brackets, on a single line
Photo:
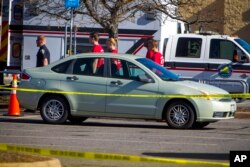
[(230, 17)]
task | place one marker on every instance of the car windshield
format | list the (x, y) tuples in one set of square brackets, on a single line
[(160, 71), (243, 44)]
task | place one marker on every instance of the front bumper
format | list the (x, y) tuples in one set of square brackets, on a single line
[(217, 110)]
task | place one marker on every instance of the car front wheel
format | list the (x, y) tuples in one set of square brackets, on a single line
[(54, 110), (180, 115)]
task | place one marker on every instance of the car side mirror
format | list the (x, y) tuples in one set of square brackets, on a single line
[(244, 59), (145, 78)]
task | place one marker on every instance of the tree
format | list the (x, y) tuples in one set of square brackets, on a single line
[(106, 13), (48, 8), (109, 13)]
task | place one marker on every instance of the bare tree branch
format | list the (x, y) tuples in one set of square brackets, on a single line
[(109, 13)]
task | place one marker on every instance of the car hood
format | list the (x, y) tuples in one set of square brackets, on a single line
[(191, 86), (204, 87)]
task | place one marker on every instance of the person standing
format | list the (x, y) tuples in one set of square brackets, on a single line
[(112, 48), (112, 45), (157, 56), (94, 39), (43, 54), (148, 45), (97, 48)]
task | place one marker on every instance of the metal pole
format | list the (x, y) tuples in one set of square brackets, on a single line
[(71, 26), (75, 40), (1, 17), (65, 39)]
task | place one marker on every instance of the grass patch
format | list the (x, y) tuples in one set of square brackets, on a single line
[(8, 157)]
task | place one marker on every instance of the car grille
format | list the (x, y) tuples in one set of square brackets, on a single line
[(223, 114)]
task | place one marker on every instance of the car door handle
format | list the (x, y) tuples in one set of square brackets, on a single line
[(116, 82), (73, 78)]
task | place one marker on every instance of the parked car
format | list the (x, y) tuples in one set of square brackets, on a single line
[(123, 86), (202, 58)]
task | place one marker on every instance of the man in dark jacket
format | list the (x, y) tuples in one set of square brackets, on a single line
[(43, 54)]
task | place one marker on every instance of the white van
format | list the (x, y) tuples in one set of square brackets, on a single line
[(218, 60)]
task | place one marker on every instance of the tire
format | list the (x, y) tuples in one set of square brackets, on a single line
[(54, 110), (180, 115), (77, 120), (200, 125)]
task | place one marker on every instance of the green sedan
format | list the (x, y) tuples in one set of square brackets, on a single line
[(124, 86)]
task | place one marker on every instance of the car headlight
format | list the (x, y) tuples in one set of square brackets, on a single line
[(208, 96)]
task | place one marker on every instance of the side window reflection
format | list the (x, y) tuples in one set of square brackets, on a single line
[(124, 69), (85, 66)]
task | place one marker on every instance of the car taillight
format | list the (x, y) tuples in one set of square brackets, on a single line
[(25, 77)]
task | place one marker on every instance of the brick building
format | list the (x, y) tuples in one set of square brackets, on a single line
[(232, 16)]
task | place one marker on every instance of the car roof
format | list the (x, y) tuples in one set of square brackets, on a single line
[(101, 55), (106, 55), (202, 35)]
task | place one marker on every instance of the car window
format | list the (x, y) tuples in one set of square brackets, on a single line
[(62, 68), (222, 49), (243, 44), (124, 69), (117, 69), (87, 66), (134, 71), (160, 71), (189, 47)]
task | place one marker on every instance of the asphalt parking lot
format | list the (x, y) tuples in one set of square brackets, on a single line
[(129, 137), (133, 137)]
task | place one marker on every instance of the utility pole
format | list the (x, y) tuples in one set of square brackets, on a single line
[(71, 4), (2, 63), (71, 27)]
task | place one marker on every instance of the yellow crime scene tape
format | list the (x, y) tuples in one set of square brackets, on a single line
[(106, 156), (247, 95)]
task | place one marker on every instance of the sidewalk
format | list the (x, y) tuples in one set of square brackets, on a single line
[(243, 110)]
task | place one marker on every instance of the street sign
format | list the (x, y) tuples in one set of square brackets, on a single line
[(71, 3)]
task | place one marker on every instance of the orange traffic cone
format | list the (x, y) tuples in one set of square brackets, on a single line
[(13, 109)]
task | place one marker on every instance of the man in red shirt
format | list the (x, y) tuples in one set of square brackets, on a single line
[(97, 48)]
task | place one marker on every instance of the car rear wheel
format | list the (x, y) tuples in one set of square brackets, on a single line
[(180, 115), (54, 110), (77, 120)]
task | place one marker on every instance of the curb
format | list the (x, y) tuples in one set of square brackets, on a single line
[(50, 163)]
